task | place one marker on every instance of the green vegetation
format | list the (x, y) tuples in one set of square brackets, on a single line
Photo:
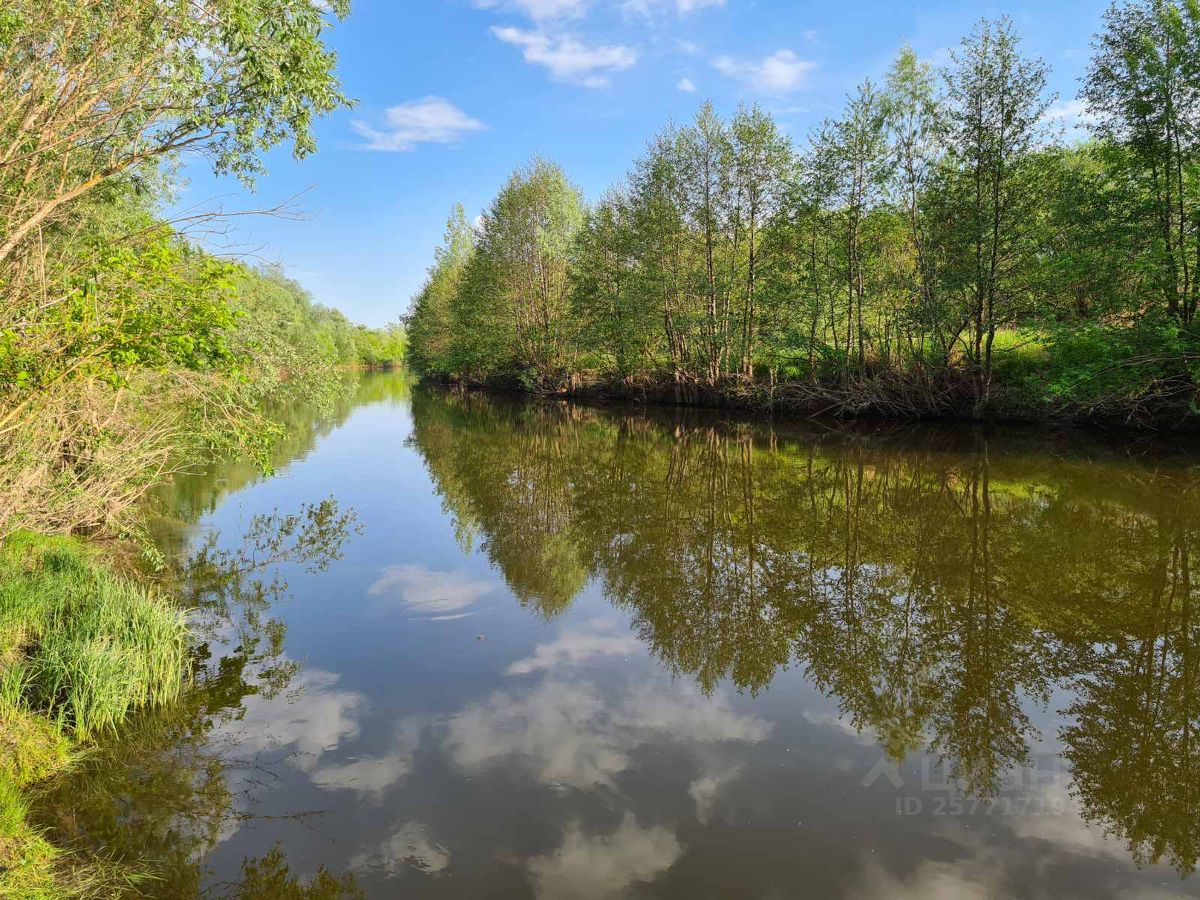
[(87, 646), (937, 249), (80, 650), (126, 350), (129, 353), (159, 796)]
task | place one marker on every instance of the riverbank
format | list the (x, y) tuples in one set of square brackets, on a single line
[(81, 648), (946, 396)]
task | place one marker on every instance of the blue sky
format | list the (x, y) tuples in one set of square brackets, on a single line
[(454, 94)]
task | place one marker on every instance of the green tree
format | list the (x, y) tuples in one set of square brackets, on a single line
[(1143, 87), (996, 100)]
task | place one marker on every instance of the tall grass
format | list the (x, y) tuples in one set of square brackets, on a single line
[(80, 644)]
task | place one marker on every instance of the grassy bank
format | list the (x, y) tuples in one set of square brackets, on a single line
[(80, 649)]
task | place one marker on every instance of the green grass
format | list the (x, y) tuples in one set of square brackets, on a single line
[(80, 649), (28, 863), (80, 644)]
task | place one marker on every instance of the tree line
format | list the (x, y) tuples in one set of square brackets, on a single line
[(939, 247), (127, 350)]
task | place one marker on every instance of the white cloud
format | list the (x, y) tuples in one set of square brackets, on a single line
[(441, 595), (539, 10), (1071, 114), (842, 725), (370, 776), (567, 58), (651, 8), (411, 846), (932, 880), (705, 790), (575, 646), (1059, 820), (780, 73), (686, 85), (586, 866), (430, 120)]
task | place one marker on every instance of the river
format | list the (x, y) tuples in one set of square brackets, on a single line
[(465, 646)]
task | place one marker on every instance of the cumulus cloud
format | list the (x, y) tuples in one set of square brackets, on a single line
[(1059, 821), (567, 58), (705, 790), (441, 595), (686, 85), (658, 7), (1073, 115), (780, 73), (411, 846), (933, 880), (586, 866), (371, 776), (430, 120), (575, 646)]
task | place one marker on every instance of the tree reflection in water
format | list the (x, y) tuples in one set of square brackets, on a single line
[(938, 591), (160, 795)]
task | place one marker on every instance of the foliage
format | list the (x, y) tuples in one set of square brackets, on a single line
[(878, 266), (270, 876), (81, 650), (146, 79)]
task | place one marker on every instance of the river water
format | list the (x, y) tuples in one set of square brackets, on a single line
[(461, 646)]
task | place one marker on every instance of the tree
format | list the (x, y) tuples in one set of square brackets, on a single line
[(429, 324), (914, 121), (705, 160), (761, 158), (96, 88), (996, 102), (1143, 88), (525, 241), (617, 326)]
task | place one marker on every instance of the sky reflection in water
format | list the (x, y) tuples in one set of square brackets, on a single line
[(561, 652)]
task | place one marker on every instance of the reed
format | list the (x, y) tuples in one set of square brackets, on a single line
[(80, 644)]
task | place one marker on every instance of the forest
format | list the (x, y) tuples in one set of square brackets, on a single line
[(944, 247)]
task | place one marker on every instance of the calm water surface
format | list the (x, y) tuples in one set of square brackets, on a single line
[(464, 647)]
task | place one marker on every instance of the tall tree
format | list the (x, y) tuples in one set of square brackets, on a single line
[(430, 322), (914, 120), (706, 156), (996, 103), (761, 159), (526, 239), (1143, 87)]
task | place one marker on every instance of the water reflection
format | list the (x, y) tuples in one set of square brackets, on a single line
[(581, 653), (178, 781), (939, 593)]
